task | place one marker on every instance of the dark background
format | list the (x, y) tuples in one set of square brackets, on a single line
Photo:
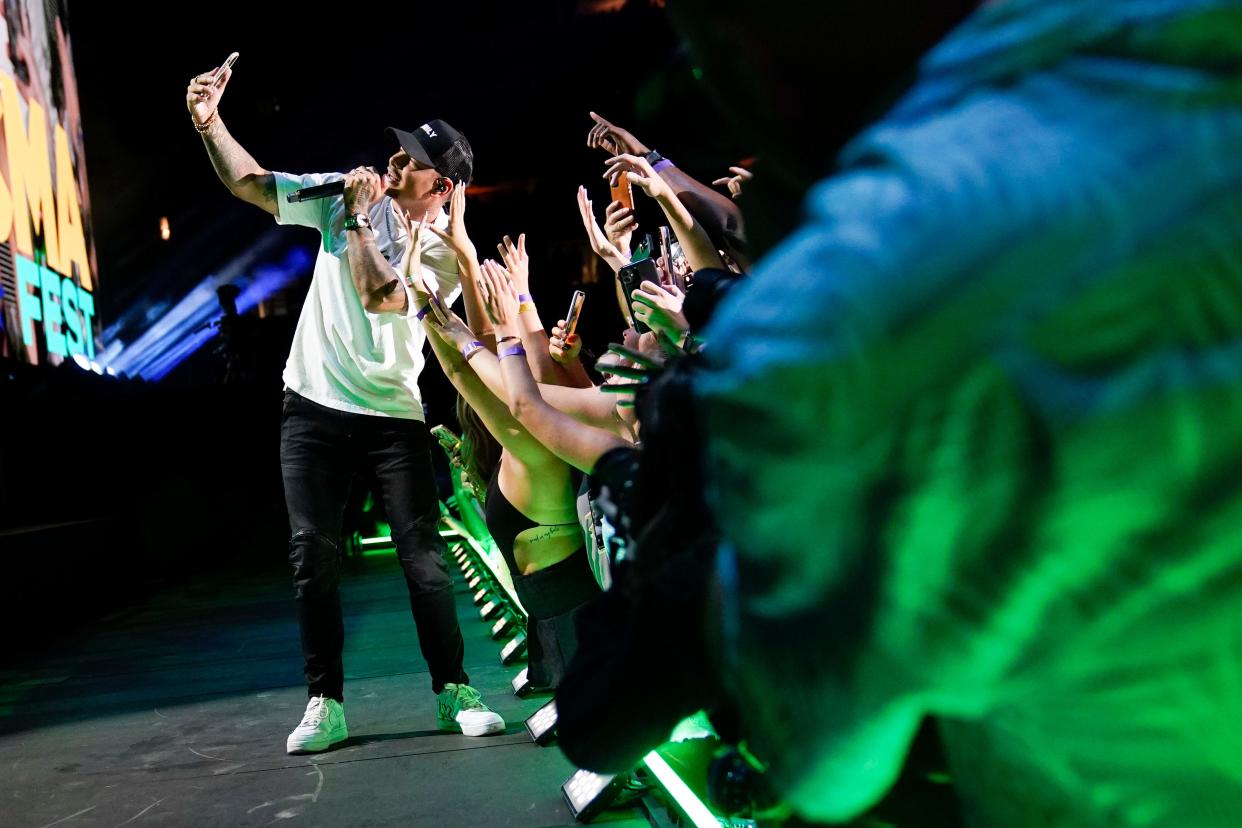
[(314, 92), (112, 488)]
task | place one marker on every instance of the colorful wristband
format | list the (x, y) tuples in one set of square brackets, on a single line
[(512, 350), (662, 164), (470, 349), (525, 297), (526, 307), (426, 310)]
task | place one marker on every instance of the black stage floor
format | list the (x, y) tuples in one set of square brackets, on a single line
[(175, 713)]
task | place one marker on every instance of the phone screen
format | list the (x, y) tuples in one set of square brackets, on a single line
[(680, 267), (575, 308), (666, 258)]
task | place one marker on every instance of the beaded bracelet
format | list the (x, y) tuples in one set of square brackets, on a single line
[(201, 128)]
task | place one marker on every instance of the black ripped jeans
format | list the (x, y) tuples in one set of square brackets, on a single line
[(322, 450)]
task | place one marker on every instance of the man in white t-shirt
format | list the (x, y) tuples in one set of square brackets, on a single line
[(352, 404)]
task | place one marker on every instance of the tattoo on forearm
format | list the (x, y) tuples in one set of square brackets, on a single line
[(226, 154), (269, 189), (236, 167)]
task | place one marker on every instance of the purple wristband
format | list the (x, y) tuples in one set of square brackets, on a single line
[(426, 310), (512, 350), (662, 164), (525, 297)]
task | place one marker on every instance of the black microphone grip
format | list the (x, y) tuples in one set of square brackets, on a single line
[(332, 188)]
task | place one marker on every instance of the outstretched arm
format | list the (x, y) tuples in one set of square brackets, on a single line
[(710, 207), (577, 444), (236, 168), (534, 337), (458, 240), (455, 347), (700, 252)]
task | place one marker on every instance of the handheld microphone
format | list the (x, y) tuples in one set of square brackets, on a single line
[(332, 188)]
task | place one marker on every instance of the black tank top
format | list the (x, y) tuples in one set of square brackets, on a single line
[(505, 522)]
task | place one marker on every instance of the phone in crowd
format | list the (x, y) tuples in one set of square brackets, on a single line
[(621, 190), (228, 63), (679, 266), (643, 251), (633, 275), (575, 308), (666, 258), (447, 439)]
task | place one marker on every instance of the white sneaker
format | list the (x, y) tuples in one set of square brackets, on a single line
[(322, 726), (460, 708)]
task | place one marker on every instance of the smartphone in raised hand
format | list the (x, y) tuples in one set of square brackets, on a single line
[(666, 257), (633, 275), (448, 439), (621, 190), (575, 308), (678, 266), (228, 64)]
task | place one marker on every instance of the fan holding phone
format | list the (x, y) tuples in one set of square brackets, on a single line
[(658, 307), (565, 345)]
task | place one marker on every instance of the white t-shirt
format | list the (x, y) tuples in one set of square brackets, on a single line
[(342, 356)]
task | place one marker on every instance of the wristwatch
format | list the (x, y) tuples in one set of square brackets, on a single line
[(658, 162), (358, 221)]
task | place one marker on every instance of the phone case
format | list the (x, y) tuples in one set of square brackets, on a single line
[(633, 275)]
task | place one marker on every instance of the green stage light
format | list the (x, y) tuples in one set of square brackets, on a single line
[(374, 547), (489, 610), (480, 596), (690, 805)]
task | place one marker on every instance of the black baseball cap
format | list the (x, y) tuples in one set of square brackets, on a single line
[(440, 146)]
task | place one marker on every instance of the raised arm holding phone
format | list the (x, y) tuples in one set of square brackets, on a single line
[(351, 394), (710, 208)]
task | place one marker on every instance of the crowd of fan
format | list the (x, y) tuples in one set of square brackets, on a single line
[(945, 453)]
